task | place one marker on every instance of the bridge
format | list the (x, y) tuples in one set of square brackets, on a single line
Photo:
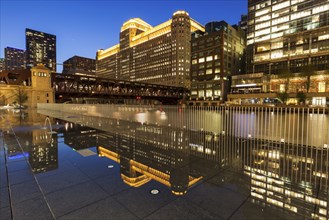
[(76, 86)]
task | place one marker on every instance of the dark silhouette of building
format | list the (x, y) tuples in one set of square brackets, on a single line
[(216, 55), (40, 48), (243, 23), (79, 66), (14, 59)]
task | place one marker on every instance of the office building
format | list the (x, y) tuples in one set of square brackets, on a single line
[(287, 36), (40, 48), (243, 23), (216, 56), (14, 58), (2, 64), (158, 54), (288, 42), (79, 66)]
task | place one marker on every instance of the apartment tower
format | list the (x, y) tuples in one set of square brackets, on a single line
[(40, 49)]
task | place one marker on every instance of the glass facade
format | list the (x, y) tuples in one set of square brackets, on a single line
[(14, 59), (287, 35), (40, 48)]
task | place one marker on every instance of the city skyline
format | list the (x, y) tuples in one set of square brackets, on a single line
[(83, 27)]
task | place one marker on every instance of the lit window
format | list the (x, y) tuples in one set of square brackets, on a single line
[(262, 12), (322, 86), (321, 8), (208, 71), (281, 5), (209, 58), (300, 14)]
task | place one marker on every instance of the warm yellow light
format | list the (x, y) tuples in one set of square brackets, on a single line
[(136, 23), (101, 54), (109, 154)]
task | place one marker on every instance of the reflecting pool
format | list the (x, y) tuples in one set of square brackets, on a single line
[(146, 162)]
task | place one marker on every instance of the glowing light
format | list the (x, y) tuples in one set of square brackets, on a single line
[(245, 85), (154, 191)]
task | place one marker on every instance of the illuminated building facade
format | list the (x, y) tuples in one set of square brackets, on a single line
[(36, 83), (216, 55), (159, 54), (79, 66), (40, 48), (14, 59), (287, 36)]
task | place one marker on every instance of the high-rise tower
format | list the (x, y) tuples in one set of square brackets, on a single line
[(40, 48)]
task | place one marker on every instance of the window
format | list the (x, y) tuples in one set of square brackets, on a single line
[(209, 58), (209, 71), (322, 86)]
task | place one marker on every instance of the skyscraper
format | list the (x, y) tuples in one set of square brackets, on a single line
[(40, 48), (14, 59), (158, 54), (287, 35)]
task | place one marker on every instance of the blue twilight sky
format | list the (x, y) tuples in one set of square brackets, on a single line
[(83, 27)]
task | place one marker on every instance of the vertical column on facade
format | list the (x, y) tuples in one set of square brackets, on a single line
[(181, 48)]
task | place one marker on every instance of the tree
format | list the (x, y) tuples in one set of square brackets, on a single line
[(20, 96), (308, 71), (286, 74), (301, 97), (283, 96)]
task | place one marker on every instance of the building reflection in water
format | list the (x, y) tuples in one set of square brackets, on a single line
[(43, 151), (289, 175), (78, 136), (39, 146)]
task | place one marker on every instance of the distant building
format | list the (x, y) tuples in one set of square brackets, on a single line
[(215, 56), (2, 64), (14, 59), (80, 66), (158, 54), (35, 82), (243, 23), (40, 48)]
